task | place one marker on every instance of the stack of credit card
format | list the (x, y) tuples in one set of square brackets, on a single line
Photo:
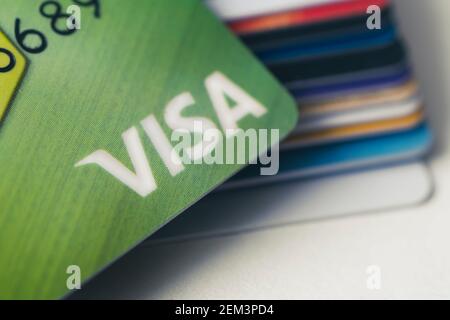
[(347, 67)]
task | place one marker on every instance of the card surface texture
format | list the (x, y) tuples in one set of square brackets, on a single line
[(360, 115), (304, 16), (328, 29), (238, 9), (328, 47), (321, 160), (357, 100), (363, 82), (356, 131)]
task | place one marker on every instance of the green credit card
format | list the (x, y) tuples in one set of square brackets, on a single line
[(91, 93)]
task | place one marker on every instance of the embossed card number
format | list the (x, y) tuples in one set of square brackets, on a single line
[(13, 63)]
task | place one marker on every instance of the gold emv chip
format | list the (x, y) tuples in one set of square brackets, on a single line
[(12, 67)]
